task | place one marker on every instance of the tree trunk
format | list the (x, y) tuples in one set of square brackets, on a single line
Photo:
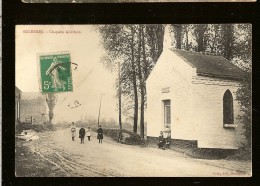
[(178, 35), (134, 82), (160, 36), (50, 115), (146, 74), (51, 102), (119, 98), (187, 38), (145, 68), (228, 41), (201, 28), (153, 48), (141, 80)]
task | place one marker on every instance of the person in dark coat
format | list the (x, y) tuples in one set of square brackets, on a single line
[(100, 134), (82, 134), (161, 141)]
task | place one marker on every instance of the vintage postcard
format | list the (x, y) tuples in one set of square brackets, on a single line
[(133, 100)]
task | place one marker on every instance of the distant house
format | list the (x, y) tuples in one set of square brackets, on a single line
[(33, 108), (17, 104), (193, 95)]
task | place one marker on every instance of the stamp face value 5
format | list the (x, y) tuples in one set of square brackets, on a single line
[(55, 73)]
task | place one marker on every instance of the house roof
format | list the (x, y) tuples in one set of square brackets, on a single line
[(211, 65), (17, 89)]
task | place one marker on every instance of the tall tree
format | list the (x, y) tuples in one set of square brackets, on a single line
[(159, 39), (51, 100), (150, 52), (177, 30), (244, 97), (213, 38), (154, 35), (181, 36), (187, 42), (242, 46), (242, 50), (228, 40), (140, 75), (119, 98), (133, 68), (119, 43), (112, 39), (137, 47), (199, 32)]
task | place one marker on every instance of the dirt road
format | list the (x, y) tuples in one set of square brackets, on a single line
[(111, 159)]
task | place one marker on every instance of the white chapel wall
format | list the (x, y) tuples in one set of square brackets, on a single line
[(208, 113), (170, 71)]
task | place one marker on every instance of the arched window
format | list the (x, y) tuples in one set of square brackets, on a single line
[(228, 111)]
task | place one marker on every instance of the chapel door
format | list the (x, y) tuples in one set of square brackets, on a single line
[(167, 115)]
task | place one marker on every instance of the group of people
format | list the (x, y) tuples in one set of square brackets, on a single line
[(83, 133), (164, 143)]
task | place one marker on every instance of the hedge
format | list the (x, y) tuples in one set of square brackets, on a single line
[(132, 139)]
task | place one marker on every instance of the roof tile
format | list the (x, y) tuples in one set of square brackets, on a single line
[(211, 65)]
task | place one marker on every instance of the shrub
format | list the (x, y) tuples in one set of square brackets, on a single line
[(36, 127), (133, 140), (22, 126), (128, 137), (111, 133), (244, 98)]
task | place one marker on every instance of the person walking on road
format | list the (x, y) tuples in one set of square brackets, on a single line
[(100, 134), (73, 131), (82, 135), (88, 133)]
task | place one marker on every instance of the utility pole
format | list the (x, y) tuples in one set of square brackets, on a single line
[(99, 109), (119, 97)]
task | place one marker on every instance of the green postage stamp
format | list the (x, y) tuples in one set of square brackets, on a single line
[(55, 72)]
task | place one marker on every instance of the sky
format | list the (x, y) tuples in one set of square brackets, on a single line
[(90, 80)]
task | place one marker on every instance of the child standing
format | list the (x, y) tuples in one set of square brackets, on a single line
[(73, 131), (88, 133), (168, 140)]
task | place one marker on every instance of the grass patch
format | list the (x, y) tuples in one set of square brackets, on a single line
[(190, 148), (207, 153), (43, 127), (28, 164), (243, 154)]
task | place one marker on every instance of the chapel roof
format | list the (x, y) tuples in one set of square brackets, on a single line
[(211, 65)]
